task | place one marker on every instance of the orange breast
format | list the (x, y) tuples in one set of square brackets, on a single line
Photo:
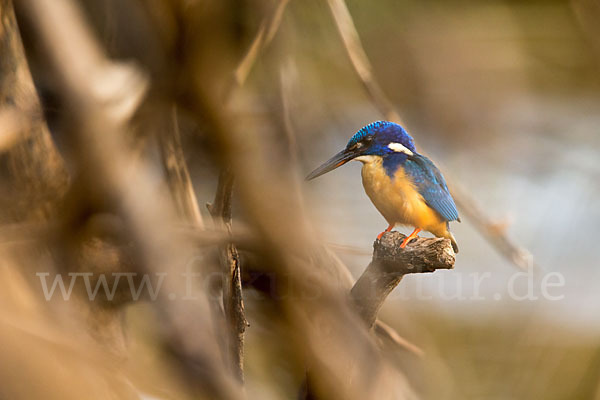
[(397, 199)]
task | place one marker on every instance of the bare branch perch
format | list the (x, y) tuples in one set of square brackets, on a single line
[(390, 263)]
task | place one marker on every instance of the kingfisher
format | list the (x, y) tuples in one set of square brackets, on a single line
[(405, 186)]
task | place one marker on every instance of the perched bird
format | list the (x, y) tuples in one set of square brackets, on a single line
[(405, 186)]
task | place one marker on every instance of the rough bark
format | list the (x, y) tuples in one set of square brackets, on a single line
[(390, 263)]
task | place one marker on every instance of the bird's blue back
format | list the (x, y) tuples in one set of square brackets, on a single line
[(431, 185)]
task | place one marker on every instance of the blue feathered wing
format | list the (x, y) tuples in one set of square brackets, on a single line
[(431, 185)]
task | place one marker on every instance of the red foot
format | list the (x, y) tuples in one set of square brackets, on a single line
[(389, 228), (410, 237)]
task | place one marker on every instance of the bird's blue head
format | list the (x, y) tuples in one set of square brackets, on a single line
[(378, 139)]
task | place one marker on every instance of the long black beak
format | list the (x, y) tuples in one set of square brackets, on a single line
[(338, 160)]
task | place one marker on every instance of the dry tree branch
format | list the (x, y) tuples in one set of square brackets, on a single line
[(359, 59), (100, 97), (233, 302), (499, 240), (13, 128), (185, 198), (178, 176), (388, 266), (516, 254), (220, 209), (390, 263), (266, 32)]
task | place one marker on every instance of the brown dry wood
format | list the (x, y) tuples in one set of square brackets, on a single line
[(220, 209), (229, 258), (177, 173), (390, 263)]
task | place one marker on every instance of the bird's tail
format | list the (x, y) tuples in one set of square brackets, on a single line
[(453, 241)]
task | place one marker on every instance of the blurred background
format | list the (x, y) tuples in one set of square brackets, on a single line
[(504, 96)]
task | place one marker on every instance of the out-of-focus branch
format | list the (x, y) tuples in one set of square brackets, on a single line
[(233, 302), (13, 128), (266, 32), (384, 331), (36, 174), (100, 96), (484, 224), (178, 176), (359, 59), (220, 209), (390, 263), (498, 238)]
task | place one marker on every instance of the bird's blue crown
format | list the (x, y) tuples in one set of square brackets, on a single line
[(382, 134)]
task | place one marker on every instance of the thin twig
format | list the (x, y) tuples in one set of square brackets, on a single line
[(233, 302), (266, 32), (516, 254), (359, 59), (351, 40), (178, 176)]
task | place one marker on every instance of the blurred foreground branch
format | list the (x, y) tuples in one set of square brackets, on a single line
[(101, 96), (36, 177), (178, 176)]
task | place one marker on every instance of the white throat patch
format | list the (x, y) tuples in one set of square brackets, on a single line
[(366, 159), (399, 148)]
